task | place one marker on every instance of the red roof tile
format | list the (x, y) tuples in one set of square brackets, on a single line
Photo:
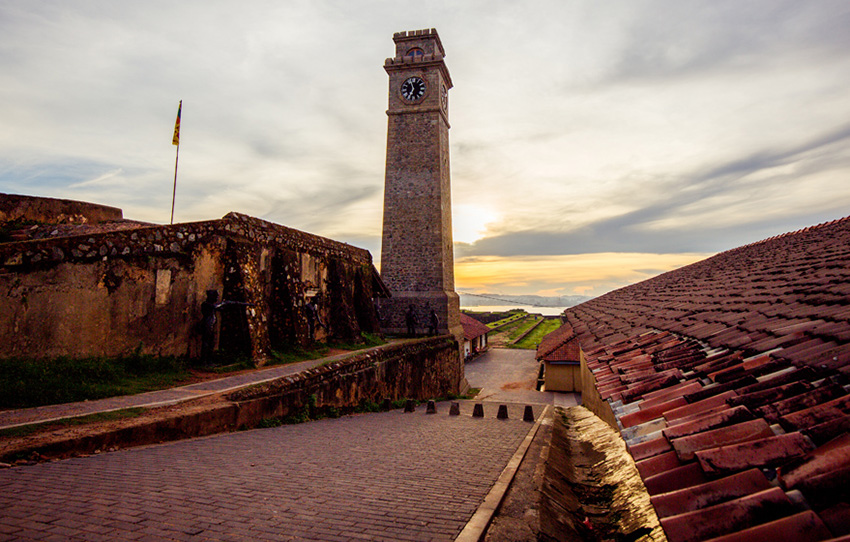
[(728, 517), (767, 452), (722, 349), (678, 478), (650, 448), (803, 527), (472, 328), (699, 406), (560, 345), (833, 457), (687, 446), (716, 420), (710, 493), (658, 464)]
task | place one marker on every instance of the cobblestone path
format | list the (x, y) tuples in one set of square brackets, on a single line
[(384, 476)]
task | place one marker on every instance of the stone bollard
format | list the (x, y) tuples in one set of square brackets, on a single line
[(478, 411), (431, 408), (387, 406), (410, 406), (528, 415), (503, 412), (455, 409)]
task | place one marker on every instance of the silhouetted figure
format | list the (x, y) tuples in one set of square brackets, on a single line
[(433, 323), (208, 320), (313, 317), (377, 307), (410, 320)]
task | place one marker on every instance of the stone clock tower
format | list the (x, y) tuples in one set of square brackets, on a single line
[(417, 258)]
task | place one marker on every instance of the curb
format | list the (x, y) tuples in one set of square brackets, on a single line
[(476, 527)]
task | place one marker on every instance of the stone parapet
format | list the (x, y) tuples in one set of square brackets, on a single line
[(54, 211), (175, 239), (420, 370)]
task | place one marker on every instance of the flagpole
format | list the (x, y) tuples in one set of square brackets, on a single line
[(174, 191), (176, 141)]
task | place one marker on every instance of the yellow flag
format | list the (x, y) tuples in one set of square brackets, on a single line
[(176, 139)]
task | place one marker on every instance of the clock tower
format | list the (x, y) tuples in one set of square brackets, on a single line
[(417, 257)]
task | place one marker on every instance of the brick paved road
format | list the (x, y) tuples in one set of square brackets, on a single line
[(386, 476), (510, 375)]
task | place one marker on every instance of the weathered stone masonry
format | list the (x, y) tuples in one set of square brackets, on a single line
[(111, 293), (422, 369), (417, 258)]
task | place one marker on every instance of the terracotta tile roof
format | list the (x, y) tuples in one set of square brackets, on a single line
[(729, 379), (472, 328), (561, 345)]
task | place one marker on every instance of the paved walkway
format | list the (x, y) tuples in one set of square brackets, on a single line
[(385, 476), (12, 418), (510, 375)]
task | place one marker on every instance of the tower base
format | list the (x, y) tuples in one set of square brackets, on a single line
[(446, 304)]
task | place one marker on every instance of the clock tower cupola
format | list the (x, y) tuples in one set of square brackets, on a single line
[(417, 258)]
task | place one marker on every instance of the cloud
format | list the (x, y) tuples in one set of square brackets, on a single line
[(100, 179), (587, 274), (644, 127)]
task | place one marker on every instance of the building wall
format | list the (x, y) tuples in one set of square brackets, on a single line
[(590, 397), (111, 293), (563, 377)]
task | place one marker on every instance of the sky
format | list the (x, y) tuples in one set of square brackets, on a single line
[(593, 144)]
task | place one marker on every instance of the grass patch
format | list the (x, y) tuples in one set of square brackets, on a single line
[(512, 318), (296, 353), (29, 383), (452, 397), (522, 326), (24, 430), (530, 341)]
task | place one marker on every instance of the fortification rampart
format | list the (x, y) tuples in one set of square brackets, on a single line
[(108, 294), (422, 369), (54, 211)]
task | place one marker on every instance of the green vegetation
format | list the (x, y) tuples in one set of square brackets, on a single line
[(296, 353), (518, 315), (28, 382), (35, 382), (24, 430), (516, 331), (531, 340)]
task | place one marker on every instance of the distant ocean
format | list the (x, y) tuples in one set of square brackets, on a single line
[(545, 311)]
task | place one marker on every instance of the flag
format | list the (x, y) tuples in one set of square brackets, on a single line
[(176, 139)]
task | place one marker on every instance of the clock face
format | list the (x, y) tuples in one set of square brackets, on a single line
[(413, 89), (444, 97)]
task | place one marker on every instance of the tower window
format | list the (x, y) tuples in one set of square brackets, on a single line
[(415, 52)]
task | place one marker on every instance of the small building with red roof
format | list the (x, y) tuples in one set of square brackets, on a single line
[(561, 356), (474, 336)]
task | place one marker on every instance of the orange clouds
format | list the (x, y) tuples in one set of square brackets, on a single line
[(586, 274)]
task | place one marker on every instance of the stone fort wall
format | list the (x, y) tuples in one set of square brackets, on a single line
[(423, 369), (108, 294), (54, 211)]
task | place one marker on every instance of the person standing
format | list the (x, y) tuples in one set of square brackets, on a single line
[(410, 320), (433, 323)]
